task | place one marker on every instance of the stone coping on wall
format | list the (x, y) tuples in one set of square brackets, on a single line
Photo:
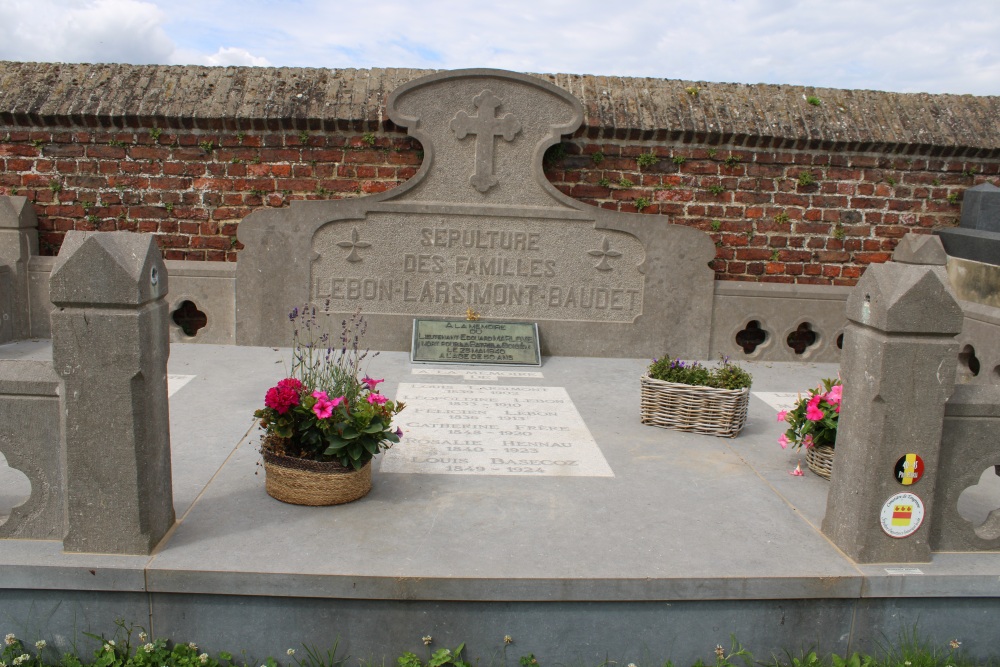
[(261, 98)]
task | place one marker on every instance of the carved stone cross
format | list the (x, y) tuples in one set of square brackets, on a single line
[(485, 125)]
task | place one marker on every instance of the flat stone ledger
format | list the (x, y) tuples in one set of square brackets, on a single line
[(475, 342), (480, 227), (458, 429)]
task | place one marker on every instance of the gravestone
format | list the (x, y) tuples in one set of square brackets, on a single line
[(479, 227), (977, 237), (110, 346), (18, 242)]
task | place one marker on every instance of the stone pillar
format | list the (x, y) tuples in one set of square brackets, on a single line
[(898, 369), (18, 242), (110, 347)]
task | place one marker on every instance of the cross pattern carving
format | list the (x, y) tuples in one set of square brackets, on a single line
[(604, 252), (485, 125), (354, 244)]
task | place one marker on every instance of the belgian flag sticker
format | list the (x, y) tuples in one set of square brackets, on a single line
[(909, 469), (902, 514)]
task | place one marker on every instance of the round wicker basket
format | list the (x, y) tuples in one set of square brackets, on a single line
[(820, 460), (305, 482)]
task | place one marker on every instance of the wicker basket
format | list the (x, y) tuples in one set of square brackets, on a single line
[(684, 407), (305, 482), (820, 460)]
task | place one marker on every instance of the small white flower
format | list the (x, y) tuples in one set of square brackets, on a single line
[(111, 642), (24, 657), (203, 657), (954, 644), (193, 646), (631, 664), (107, 647), (40, 644), (9, 639), (148, 648), (3, 664), (507, 639), (142, 636), (427, 640), (290, 651)]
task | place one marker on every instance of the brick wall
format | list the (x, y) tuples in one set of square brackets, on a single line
[(790, 190)]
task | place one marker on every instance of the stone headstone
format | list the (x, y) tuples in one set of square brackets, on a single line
[(920, 249), (978, 236), (898, 368), (110, 348), (479, 227)]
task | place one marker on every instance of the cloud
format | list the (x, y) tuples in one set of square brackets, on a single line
[(83, 31), (229, 55)]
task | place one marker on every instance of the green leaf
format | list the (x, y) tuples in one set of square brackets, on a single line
[(350, 433), (391, 437), (375, 426)]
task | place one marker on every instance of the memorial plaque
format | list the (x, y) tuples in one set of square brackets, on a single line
[(457, 429), (475, 342)]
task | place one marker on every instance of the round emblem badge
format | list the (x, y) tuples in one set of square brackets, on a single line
[(901, 515), (909, 469)]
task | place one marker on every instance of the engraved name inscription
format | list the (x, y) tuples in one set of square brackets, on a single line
[(502, 268), (455, 429)]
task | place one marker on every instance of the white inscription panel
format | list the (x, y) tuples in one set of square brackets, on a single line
[(478, 375), (457, 429), (779, 400)]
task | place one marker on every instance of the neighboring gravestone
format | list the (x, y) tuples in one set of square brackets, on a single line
[(978, 234), (480, 227), (898, 368), (110, 347), (18, 242)]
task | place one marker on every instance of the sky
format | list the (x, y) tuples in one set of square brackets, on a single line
[(935, 46)]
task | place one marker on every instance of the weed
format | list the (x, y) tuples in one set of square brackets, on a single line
[(235, 160), (321, 191), (781, 218), (116, 143), (716, 189), (806, 178), (953, 198), (712, 152), (604, 183), (37, 143), (55, 186), (971, 172), (420, 155), (716, 225), (597, 157), (169, 207), (368, 138), (555, 154), (303, 137), (86, 205), (257, 193), (891, 181), (936, 181), (692, 91), (641, 203), (240, 136), (647, 160), (154, 133), (838, 232), (206, 146), (625, 183), (774, 255), (750, 234), (92, 219), (732, 160), (813, 100), (678, 160)]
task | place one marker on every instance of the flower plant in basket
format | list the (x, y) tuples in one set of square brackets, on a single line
[(812, 424), (327, 417), (687, 396)]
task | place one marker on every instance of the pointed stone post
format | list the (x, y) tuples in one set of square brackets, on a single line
[(18, 242), (110, 348), (898, 368)]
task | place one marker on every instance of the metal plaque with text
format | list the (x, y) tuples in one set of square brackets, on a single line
[(475, 342)]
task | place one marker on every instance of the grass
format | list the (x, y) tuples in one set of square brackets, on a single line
[(129, 646)]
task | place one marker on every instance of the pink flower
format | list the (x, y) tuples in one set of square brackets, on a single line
[(337, 401), (834, 395), (281, 399), (781, 415), (813, 413), (783, 441), (807, 441), (291, 383), (376, 398), (320, 395), (798, 470), (399, 432), (371, 382), (323, 407)]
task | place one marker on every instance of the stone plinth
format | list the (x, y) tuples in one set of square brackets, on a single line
[(18, 242), (110, 347)]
